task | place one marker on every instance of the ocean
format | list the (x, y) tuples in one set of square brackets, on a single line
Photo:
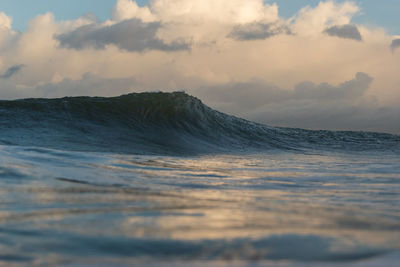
[(160, 179)]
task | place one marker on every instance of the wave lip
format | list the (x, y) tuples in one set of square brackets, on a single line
[(165, 123)]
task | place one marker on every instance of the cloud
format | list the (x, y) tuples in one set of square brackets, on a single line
[(257, 31), (248, 96), (127, 9), (11, 71), (347, 31), (5, 21), (7, 35), (131, 35), (214, 11), (346, 91), (312, 21), (88, 85), (395, 44), (313, 106)]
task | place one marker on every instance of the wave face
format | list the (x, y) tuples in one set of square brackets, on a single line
[(166, 123)]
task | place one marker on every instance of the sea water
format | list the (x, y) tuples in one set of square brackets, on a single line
[(84, 185)]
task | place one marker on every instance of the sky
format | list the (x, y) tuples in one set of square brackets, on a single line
[(378, 13), (309, 64)]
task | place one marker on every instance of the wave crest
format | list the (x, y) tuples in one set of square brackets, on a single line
[(160, 123)]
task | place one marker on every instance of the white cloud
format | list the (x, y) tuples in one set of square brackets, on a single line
[(127, 9), (7, 35), (216, 11), (5, 21), (313, 21)]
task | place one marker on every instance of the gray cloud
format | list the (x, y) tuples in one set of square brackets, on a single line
[(395, 44), (257, 31), (309, 105), (89, 85), (130, 35), (347, 31), (11, 71), (347, 91)]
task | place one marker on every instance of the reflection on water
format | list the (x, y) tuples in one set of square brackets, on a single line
[(90, 208)]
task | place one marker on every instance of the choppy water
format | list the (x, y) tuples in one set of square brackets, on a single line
[(82, 183)]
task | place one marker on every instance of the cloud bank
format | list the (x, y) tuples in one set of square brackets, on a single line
[(345, 106), (238, 56)]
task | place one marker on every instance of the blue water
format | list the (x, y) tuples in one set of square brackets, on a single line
[(161, 179)]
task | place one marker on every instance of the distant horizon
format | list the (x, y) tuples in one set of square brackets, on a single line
[(194, 96)]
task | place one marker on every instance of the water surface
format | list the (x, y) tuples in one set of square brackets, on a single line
[(165, 180)]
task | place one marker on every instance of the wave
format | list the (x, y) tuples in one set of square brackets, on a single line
[(166, 123)]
